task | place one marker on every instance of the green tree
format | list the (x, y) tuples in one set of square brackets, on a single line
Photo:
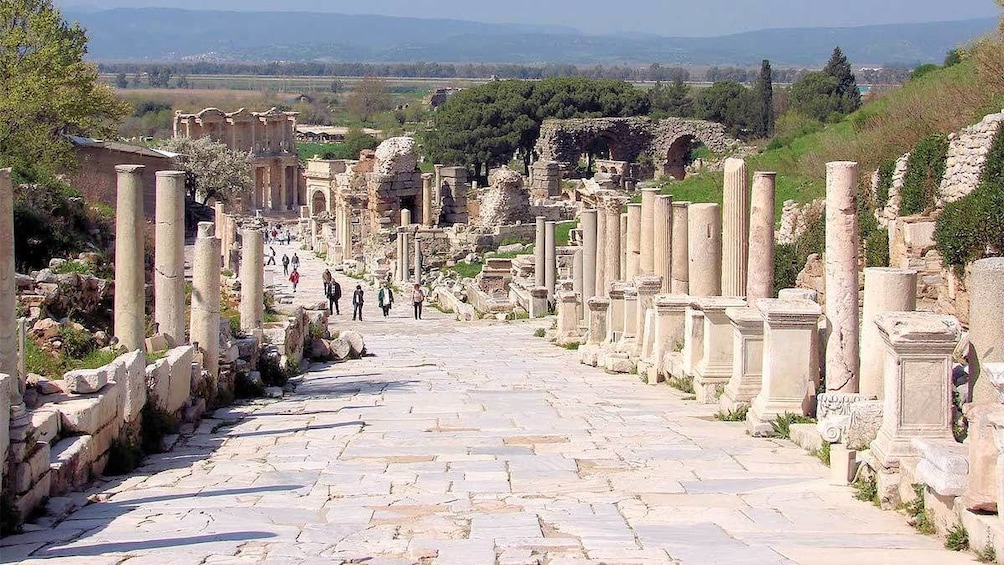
[(765, 97), (673, 100), (371, 96), (48, 90), (121, 81), (214, 171), (953, 57), (815, 96), (730, 104), (847, 91)]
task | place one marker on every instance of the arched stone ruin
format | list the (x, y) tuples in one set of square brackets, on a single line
[(629, 139)]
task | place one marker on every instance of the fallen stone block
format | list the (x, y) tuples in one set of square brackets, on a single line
[(87, 415), (86, 381), (68, 464), (355, 341), (132, 367)]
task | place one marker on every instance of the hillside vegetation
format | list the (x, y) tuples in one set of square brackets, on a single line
[(887, 126)]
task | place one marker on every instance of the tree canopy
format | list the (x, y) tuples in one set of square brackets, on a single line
[(48, 89), (832, 92), (213, 170), (486, 125), (764, 126), (730, 104), (370, 96)]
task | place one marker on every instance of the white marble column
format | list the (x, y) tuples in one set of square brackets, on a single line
[(550, 259), (760, 273), (539, 253), (427, 219), (648, 229), (405, 217), (405, 254), (662, 247), (735, 224), (252, 307), (842, 242), (169, 255), (681, 248), (612, 247), (205, 324), (601, 246), (130, 286), (633, 241), (886, 290), (704, 238), (587, 223), (8, 296), (622, 275), (419, 267), (986, 321)]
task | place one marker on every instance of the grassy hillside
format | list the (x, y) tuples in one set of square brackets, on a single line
[(886, 127)]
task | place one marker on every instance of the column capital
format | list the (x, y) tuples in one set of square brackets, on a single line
[(919, 332), (598, 304)]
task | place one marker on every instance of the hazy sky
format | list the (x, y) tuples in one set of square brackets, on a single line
[(662, 17)]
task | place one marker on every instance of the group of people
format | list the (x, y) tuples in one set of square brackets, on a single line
[(385, 300), (278, 234)]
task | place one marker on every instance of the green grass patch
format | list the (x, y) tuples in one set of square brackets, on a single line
[(919, 517), (682, 384), (866, 490), (781, 425), (737, 415), (539, 332), (957, 538), (823, 453), (562, 231), (467, 270)]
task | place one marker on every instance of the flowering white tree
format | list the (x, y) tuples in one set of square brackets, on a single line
[(214, 171)]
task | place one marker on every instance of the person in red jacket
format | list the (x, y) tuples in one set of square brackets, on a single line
[(294, 278)]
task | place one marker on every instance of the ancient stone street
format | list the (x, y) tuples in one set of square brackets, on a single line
[(474, 443)]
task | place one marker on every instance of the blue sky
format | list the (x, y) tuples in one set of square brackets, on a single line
[(662, 17)]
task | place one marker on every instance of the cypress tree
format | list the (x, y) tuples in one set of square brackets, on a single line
[(765, 96), (847, 86)]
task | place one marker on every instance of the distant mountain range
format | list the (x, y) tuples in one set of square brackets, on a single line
[(166, 34)]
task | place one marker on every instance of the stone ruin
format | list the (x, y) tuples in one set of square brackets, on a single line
[(57, 435), (507, 201)]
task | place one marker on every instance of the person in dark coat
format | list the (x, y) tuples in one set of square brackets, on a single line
[(357, 303), (334, 295)]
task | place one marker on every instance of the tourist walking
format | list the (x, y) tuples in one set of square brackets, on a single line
[(285, 265), (271, 257), (417, 298), (357, 303), (295, 262), (326, 279), (294, 278), (385, 299), (334, 294)]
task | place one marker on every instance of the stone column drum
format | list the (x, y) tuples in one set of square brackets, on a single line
[(169, 255), (789, 361), (538, 302), (577, 277), (760, 273), (681, 249), (842, 241), (648, 229), (886, 290), (612, 250), (8, 295), (918, 382), (986, 320), (633, 241), (704, 238), (669, 326), (205, 328), (405, 254), (587, 223), (601, 258), (538, 252), (747, 358), (735, 224), (252, 308), (568, 317), (615, 324), (662, 237), (130, 291), (550, 259), (405, 217)]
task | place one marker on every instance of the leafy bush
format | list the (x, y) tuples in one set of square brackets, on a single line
[(919, 517), (781, 425), (973, 227), (922, 70), (123, 457), (957, 538), (924, 170), (76, 343), (866, 490), (157, 423), (790, 258), (885, 173), (737, 415), (874, 237)]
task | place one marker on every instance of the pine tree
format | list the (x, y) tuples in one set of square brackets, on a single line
[(765, 96), (847, 86)]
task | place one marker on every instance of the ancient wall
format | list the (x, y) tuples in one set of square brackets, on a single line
[(96, 177), (967, 154), (628, 139)]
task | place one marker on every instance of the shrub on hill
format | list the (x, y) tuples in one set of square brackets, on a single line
[(924, 170)]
